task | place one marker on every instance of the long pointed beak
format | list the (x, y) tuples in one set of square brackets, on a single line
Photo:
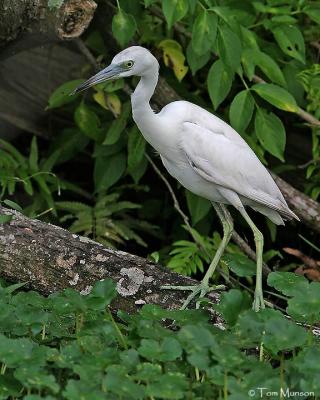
[(109, 73)]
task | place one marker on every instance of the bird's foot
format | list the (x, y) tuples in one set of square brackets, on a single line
[(197, 290), (258, 302)]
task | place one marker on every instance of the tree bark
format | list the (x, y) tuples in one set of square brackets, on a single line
[(306, 208), (26, 82), (50, 258), (29, 23)]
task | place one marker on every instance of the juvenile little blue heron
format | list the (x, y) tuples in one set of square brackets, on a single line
[(204, 154)]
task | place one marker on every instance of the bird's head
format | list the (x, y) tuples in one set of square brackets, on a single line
[(134, 60)]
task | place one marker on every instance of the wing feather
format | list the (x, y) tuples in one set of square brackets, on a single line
[(230, 163)]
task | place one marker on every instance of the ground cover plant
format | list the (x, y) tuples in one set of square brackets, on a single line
[(69, 346), (256, 65)]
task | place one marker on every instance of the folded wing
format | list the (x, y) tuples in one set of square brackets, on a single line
[(219, 158)]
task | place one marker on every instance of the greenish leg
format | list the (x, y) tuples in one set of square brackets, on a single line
[(203, 288), (258, 302)]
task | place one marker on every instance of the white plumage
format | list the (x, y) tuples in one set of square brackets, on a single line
[(203, 153)]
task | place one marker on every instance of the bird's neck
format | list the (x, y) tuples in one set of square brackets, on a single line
[(140, 98)]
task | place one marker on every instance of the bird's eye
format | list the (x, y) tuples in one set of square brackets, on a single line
[(129, 64)]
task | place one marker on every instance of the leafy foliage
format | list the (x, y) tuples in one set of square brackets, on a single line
[(69, 346), (107, 221), (254, 64)]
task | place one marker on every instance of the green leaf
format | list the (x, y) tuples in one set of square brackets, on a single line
[(12, 204), (288, 283), (305, 305), (276, 96), (271, 133), (61, 95), (281, 334), (313, 13), (88, 122), (229, 47), (241, 110), (173, 57), (136, 148), (123, 27), (4, 218), (108, 170), (253, 57), (118, 125), (174, 10), (196, 62), (198, 207), (139, 170), (240, 264), (219, 82), (232, 303), (172, 385), (204, 32), (290, 41)]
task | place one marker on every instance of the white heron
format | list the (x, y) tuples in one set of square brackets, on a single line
[(204, 154)]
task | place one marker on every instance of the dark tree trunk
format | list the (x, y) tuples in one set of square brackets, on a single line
[(50, 258), (28, 23)]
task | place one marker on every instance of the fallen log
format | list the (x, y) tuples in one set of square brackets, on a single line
[(49, 258)]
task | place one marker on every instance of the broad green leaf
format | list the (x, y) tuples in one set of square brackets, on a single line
[(271, 133), (229, 47), (62, 96), (232, 303), (136, 148), (173, 57), (108, 101), (282, 334), (139, 170), (88, 122), (174, 10), (294, 85), (251, 58), (241, 110), (123, 27), (117, 126), (196, 62), (290, 41), (198, 207), (313, 12), (249, 38), (305, 304), (219, 82), (240, 264), (169, 386), (277, 96), (288, 283), (204, 32), (137, 163), (108, 170)]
